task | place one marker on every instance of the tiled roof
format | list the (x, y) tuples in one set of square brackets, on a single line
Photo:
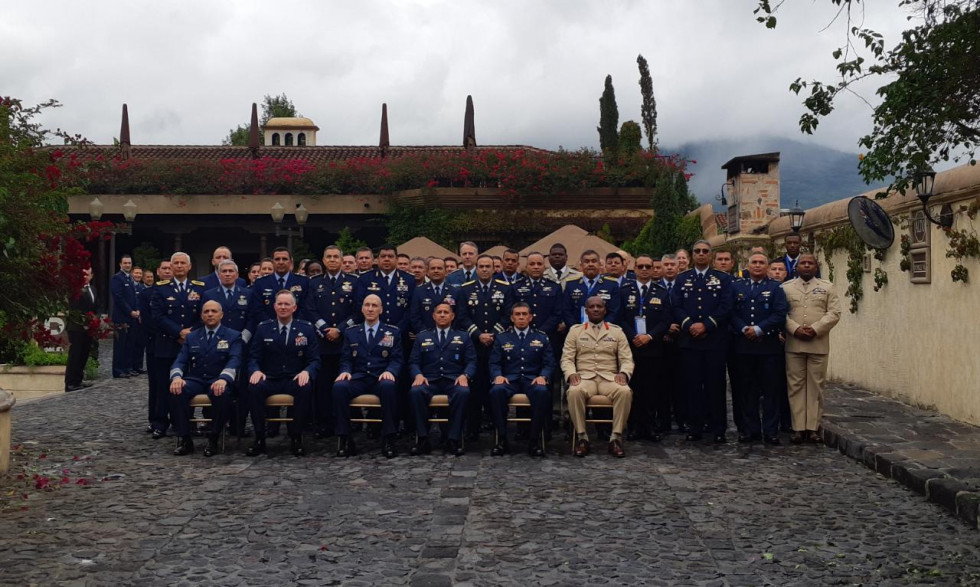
[(311, 154)]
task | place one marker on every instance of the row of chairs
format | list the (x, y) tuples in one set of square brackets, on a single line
[(598, 411)]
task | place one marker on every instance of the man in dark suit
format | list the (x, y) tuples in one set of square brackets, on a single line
[(283, 358), (124, 315), (81, 310), (443, 361), (330, 307), (370, 362), (646, 319), (521, 361), (213, 279), (175, 305), (483, 311), (701, 302), (208, 363), (758, 318)]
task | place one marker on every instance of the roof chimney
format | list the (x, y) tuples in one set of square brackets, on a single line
[(385, 143), (253, 132), (124, 142), (469, 128)]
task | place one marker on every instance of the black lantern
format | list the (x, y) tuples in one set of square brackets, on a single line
[(796, 215), (925, 180)]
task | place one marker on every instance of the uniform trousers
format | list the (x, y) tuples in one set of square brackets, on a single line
[(736, 384), (324, 418), (704, 374), (79, 347), (578, 395), (651, 396), (259, 392), (672, 377), (759, 379), (420, 396), (181, 405), (539, 395), (345, 391), (159, 387), (479, 393), (137, 342), (805, 375), (122, 350)]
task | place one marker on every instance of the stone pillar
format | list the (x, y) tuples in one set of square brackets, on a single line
[(178, 242), (7, 402)]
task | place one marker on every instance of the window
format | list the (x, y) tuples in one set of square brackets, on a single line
[(275, 139), (301, 139), (289, 139), (920, 234)]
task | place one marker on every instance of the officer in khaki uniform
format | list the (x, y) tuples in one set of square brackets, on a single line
[(814, 308), (597, 360)]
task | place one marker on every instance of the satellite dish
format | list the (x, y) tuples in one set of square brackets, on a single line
[(871, 223)]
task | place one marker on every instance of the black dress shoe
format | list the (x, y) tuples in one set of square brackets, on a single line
[(453, 447), (656, 437), (772, 440), (73, 388), (796, 438), (719, 439), (344, 447), (535, 450), (744, 439), (257, 448), (422, 447), (158, 434), (500, 449), (87, 384), (148, 429), (184, 447), (694, 436), (212, 447), (388, 447), (296, 446)]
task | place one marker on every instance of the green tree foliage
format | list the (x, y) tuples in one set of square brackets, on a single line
[(630, 139), (407, 221), (930, 86), (272, 107), (608, 120), (146, 256), (346, 241), (648, 108), (668, 230)]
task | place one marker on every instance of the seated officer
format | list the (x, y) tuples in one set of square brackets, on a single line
[(369, 362), (207, 363), (442, 362), (597, 360), (521, 362), (283, 358)]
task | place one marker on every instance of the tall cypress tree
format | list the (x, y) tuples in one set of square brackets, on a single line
[(608, 120), (648, 109)]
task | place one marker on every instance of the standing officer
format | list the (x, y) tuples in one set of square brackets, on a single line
[(266, 288), (428, 295), (510, 262), (671, 373), (468, 252), (558, 269), (543, 296), (149, 330), (597, 360), (208, 362), (370, 362), (522, 361), (443, 361), (137, 338), (79, 339), (125, 315), (283, 358), (483, 306), (213, 279), (330, 306), (645, 320), (364, 260), (590, 284), (814, 309), (234, 299), (701, 302), (175, 305), (757, 321)]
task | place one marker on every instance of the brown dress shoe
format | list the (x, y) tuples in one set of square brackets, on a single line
[(814, 437), (616, 448), (581, 447), (797, 437)]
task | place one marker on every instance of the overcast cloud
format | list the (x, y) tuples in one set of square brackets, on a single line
[(190, 70)]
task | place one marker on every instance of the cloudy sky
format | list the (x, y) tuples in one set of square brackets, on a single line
[(190, 70)]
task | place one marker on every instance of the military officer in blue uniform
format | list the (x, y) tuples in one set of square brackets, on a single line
[(265, 289), (125, 316), (542, 295), (701, 302), (646, 319), (208, 363), (283, 358), (149, 330), (510, 265), (235, 300), (758, 318), (330, 307), (428, 295), (588, 285), (370, 362), (213, 279), (442, 362), (393, 287), (175, 306), (522, 361), (483, 310), (137, 338)]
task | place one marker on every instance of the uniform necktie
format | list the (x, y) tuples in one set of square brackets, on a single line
[(558, 275), (388, 280), (333, 281), (227, 295), (282, 283), (442, 337), (370, 336), (590, 284), (521, 336), (755, 286), (180, 288), (210, 337), (486, 289), (643, 291), (283, 333), (438, 291)]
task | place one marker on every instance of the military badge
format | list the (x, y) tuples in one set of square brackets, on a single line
[(300, 341), (222, 345), (384, 354)]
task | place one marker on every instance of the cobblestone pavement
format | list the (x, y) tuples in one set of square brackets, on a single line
[(669, 514)]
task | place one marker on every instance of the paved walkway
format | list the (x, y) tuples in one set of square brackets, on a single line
[(119, 510)]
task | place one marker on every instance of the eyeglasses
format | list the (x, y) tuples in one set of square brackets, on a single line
[(644, 266), (702, 251)]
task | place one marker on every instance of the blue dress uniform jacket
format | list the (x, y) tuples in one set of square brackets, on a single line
[(174, 311), (434, 361), (458, 277), (208, 362), (577, 292), (123, 292), (278, 360), (478, 312), (512, 280), (546, 300), (766, 308), (236, 311), (425, 300), (707, 300), (365, 361), (525, 360), (264, 291), (332, 306), (211, 281), (653, 310), (395, 298)]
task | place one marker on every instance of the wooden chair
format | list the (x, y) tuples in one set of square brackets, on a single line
[(598, 410), (366, 404), (202, 400), (519, 400)]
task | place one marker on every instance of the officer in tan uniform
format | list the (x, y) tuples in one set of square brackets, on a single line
[(597, 360), (814, 308)]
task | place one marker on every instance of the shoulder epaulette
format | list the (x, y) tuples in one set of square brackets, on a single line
[(196, 282), (501, 282), (162, 282), (301, 321), (353, 326), (468, 282), (268, 321)]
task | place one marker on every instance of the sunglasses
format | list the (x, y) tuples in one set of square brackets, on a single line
[(644, 266), (702, 250)]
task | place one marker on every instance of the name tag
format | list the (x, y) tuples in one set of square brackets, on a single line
[(641, 325)]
